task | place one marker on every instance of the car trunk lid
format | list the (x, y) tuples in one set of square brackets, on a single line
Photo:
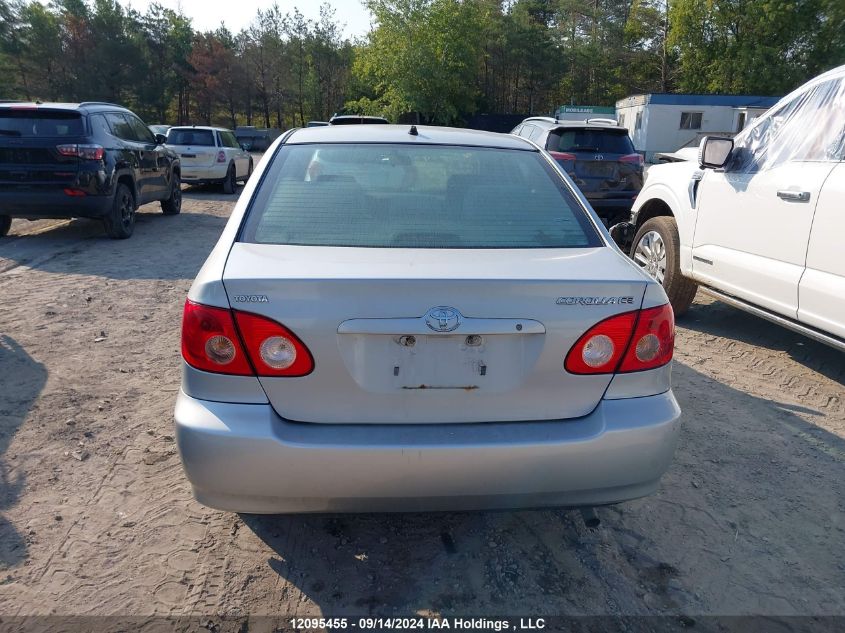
[(602, 162), (430, 335), (196, 147)]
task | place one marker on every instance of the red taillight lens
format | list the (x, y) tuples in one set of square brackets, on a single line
[(632, 158), (75, 193), (210, 341), (230, 342), (274, 350), (221, 157), (653, 342), (85, 152), (601, 348), (610, 347), (565, 156)]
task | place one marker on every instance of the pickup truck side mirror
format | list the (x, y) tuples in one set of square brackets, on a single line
[(161, 139), (714, 151)]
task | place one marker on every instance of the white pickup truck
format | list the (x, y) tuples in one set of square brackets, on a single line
[(758, 221)]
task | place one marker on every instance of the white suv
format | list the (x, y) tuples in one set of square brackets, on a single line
[(757, 220), (210, 155)]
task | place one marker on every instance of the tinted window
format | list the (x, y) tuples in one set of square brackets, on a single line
[(229, 140), (29, 123), (190, 136), (141, 131), (99, 126), (594, 140), (120, 126), (403, 196)]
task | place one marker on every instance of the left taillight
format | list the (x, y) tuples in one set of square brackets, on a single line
[(624, 343), (210, 341), (226, 341), (85, 152)]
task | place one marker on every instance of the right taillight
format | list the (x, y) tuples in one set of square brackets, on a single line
[(627, 342), (226, 341), (653, 342), (632, 158)]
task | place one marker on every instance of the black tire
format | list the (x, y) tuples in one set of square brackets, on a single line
[(230, 184), (5, 225), (120, 222), (249, 172), (173, 205), (679, 289)]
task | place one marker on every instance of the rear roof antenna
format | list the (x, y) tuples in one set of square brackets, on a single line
[(413, 131)]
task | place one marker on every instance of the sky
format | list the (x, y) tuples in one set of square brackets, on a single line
[(208, 14)]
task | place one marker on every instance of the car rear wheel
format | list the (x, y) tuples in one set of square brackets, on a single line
[(230, 183), (5, 225), (656, 250), (120, 222), (173, 204)]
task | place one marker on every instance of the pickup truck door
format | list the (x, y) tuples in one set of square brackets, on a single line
[(755, 216), (821, 293)]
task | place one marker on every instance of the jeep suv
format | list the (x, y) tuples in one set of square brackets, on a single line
[(598, 155), (85, 160)]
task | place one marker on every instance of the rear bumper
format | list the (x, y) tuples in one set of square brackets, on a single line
[(52, 204), (245, 458), (198, 175)]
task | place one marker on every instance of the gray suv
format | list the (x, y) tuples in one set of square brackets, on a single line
[(598, 155)]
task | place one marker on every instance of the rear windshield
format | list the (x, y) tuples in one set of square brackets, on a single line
[(189, 136), (29, 123), (591, 140), (405, 196)]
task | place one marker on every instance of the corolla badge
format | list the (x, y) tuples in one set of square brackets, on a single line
[(443, 319)]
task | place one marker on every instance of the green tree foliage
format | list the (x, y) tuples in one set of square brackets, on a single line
[(439, 60), (754, 46), (422, 57)]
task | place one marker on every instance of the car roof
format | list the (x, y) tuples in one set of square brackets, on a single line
[(200, 127), (550, 123), (82, 106), (426, 135)]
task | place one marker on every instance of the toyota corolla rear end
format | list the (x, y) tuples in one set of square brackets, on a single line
[(430, 321)]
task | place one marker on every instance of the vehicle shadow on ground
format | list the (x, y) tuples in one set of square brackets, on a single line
[(726, 533), (719, 319), (210, 192), (22, 380), (162, 247)]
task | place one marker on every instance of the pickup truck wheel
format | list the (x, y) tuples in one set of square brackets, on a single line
[(120, 222), (173, 205), (230, 183), (656, 250), (5, 225)]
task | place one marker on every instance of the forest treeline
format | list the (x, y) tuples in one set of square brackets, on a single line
[(444, 59)]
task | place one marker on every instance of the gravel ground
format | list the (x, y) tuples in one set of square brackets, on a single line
[(97, 518)]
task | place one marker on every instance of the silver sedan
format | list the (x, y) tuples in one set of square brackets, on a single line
[(402, 318)]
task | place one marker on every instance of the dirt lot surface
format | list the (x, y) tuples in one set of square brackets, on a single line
[(96, 516)]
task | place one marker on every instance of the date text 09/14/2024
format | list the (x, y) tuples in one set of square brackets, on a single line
[(405, 624)]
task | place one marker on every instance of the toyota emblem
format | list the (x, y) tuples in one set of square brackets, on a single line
[(443, 319)]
